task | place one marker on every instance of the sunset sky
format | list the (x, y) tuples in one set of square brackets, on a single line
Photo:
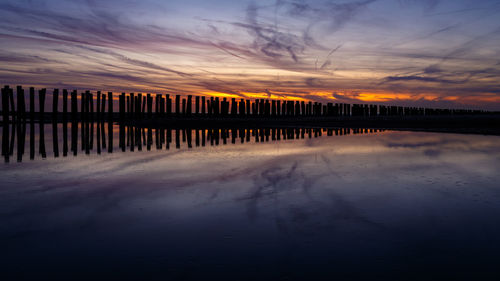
[(406, 52)]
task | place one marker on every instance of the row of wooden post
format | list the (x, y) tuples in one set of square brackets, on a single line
[(138, 106)]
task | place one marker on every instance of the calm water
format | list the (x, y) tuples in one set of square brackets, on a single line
[(168, 205)]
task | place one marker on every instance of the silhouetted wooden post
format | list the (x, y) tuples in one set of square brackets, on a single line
[(143, 110), (55, 140), (278, 108), (241, 107), (91, 106), (12, 109), (82, 107), (169, 105), (162, 107), (103, 109), (55, 100), (184, 107), (150, 106), (21, 107), (203, 106), (248, 106), (189, 105), (74, 106), (177, 105), (32, 104), (197, 105), (98, 106), (223, 107), (131, 107), (217, 106), (121, 107), (210, 106), (139, 106), (234, 107), (41, 106), (65, 106)]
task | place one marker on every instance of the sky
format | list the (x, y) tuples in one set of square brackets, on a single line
[(433, 53)]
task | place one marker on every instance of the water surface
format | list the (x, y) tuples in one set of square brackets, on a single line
[(345, 204)]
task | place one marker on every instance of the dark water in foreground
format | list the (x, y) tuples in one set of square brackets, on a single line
[(396, 205)]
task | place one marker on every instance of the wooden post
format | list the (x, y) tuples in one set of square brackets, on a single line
[(12, 107), (103, 109), (184, 107), (131, 107), (177, 105), (74, 106), (121, 107), (65, 106), (91, 105), (98, 106), (203, 105), (189, 105), (21, 107), (150, 106), (55, 100), (197, 105), (41, 107), (169, 105), (143, 110)]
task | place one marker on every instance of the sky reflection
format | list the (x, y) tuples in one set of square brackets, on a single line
[(381, 201)]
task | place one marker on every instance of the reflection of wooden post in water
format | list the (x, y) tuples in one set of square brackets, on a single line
[(12, 139), (121, 135), (197, 137), (41, 147), (110, 137), (189, 133), (32, 139), (234, 135), (150, 139), (138, 141), (21, 137), (177, 139), (131, 137), (98, 132), (202, 137), (55, 140), (74, 135), (223, 135), (65, 139), (5, 141), (169, 138)]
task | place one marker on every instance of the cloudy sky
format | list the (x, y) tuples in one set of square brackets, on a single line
[(408, 52)]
